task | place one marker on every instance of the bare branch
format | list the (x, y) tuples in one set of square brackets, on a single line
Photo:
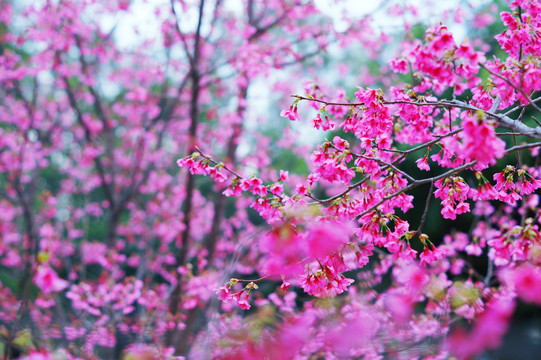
[(425, 212)]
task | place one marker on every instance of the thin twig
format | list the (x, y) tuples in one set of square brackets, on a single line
[(425, 213)]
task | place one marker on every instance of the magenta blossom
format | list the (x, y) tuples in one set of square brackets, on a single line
[(48, 281)]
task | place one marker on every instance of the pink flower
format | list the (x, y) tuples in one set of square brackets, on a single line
[(340, 143), (326, 238), (277, 189), (186, 162), (408, 253), (259, 190), (399, 305), (362, 256), (485, 192), (233, 190), (422, 163), (325, 283), (510, 198), (48, 281), (328, 124), (473, 249), (529, 186), (285, 285), (480, 142), (245, 184), (284, 249), (399, 66), (224, 293), (302, 189), (317, 121), (291, 114), (366, 143), (215, 173), (244, 304), (526, 279), (383, 142), (462, 207), (255, 181), (431, 256)]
